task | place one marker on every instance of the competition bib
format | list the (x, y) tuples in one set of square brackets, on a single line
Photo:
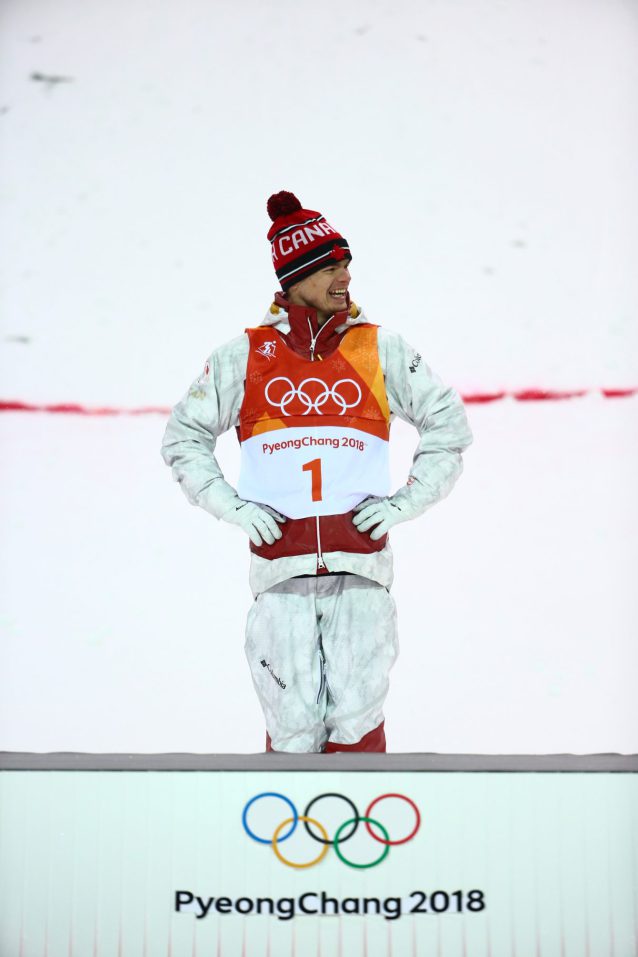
[(314, 435)]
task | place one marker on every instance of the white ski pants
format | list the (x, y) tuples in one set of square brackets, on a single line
[(320, 650)]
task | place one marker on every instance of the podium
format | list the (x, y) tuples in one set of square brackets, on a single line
[(344, 855)]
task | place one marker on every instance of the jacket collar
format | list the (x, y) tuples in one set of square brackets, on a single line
[(304, 334)]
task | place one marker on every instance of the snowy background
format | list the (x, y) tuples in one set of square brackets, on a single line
[(480, 157)]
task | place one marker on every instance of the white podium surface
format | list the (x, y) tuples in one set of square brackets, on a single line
[(486, 856)]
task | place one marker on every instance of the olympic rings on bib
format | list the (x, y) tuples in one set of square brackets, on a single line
[(309, 404), (343, 833)]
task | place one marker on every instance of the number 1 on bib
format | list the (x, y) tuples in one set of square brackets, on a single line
[(314, 468)]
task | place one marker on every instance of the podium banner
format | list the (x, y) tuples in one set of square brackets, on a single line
[(274, 863)]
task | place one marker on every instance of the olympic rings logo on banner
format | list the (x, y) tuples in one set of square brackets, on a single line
[(287, 827), (307, 401)]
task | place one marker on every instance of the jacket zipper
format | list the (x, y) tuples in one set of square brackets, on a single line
[(313, 343), (320, 561), (313, 340)]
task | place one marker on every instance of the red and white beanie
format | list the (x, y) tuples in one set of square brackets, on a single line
[(302, 241)]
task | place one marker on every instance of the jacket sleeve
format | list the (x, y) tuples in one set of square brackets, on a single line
[(210, 407), (417, 395)]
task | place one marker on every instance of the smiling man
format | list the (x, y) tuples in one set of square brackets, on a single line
[(312, 392)]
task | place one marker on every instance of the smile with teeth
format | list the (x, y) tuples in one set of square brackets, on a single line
[(338, 293)]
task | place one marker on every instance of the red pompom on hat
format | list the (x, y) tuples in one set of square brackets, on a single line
[(302, 241), (280, 204)]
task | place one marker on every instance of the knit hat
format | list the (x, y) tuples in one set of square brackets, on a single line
[(302, 241)]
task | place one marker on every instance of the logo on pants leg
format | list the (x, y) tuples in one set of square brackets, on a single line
[(264, 664)]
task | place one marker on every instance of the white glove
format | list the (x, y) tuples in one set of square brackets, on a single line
[(258, 521), (382, 512)]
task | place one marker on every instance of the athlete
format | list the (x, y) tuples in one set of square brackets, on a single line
[(312, 392)]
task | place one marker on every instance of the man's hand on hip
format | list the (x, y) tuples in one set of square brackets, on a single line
[(260, 522), (380, 512)]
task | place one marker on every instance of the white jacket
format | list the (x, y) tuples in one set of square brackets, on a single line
[(414, 393)]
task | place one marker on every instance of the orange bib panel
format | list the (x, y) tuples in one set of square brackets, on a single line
[(314, 435)]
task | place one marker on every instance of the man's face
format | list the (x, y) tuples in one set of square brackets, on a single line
[(324, 290)]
